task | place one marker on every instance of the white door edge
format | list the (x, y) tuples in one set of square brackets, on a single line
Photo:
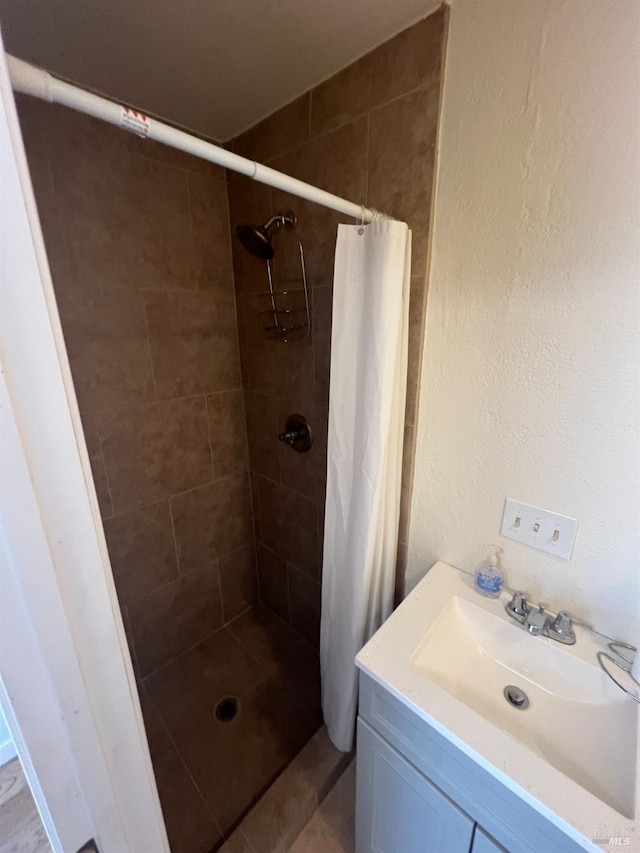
[(54, 537)]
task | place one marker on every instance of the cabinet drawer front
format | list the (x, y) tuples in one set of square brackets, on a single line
[(398, 809), (507, 818)]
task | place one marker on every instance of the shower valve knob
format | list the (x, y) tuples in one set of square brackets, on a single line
[(297, 433), (293, 435)]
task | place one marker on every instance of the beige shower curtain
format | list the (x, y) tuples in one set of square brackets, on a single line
[(364, 459)]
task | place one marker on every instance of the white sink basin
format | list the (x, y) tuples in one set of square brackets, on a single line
[(447, 654), (576, 719)]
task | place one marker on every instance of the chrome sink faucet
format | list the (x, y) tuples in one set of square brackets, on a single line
[(538, 623)]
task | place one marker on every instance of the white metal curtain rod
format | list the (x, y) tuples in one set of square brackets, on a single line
[(34, 81)]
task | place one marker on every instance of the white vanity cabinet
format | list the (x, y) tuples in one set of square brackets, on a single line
[(399, 808), (482, 843), (418, 793)]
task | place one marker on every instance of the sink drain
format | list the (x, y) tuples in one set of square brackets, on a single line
[(516, 697), (226, 709)]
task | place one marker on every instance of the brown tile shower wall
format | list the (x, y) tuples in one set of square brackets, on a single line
[(138, 242), (367, 134)]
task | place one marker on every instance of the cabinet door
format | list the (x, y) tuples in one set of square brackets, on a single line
[(399, 809), (483, 843)]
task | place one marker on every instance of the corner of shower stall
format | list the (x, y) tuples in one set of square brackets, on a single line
[(225, 655)]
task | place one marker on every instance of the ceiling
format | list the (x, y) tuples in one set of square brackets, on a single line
[(215, 67)]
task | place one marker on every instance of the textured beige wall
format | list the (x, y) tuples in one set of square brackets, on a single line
[(530, 384)]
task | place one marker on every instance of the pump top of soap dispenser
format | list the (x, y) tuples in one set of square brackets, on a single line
[(493, 555)]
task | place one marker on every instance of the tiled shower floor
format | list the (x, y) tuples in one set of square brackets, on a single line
[(208, 772)]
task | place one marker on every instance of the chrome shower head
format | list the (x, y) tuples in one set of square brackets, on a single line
[(257, 238)]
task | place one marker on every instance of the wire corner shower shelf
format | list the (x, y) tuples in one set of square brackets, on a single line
[(288, 311), (289, 304)]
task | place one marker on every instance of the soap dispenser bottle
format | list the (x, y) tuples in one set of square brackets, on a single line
[(488, 577)]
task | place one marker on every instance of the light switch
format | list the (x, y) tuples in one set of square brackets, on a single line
[(539, 528)]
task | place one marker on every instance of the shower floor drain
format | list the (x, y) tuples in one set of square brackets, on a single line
[(226, 709)]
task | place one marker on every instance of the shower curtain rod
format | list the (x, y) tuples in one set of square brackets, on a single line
[(30, 80)]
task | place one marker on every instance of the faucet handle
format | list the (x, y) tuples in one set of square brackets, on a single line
[(518, 607), (561, 629), (536, 621)]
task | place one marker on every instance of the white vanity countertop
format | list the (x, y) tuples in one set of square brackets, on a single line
[(386, 658)]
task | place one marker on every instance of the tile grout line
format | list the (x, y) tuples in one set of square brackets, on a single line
[(131, 508), (174, 658), (356, 117), (247, 458), (256, 555), (299, 496), (260, 663), (298, 568), (368, 160), (183, 574), (189, 170), (183, 762), (284, 486), (124, 612), (61, 219), (258, 156), (194, 254), (211, 460), (252, 849), (290, 695), (288, 578), (299, 636), (199, 642), (162, 400), (257, 530), (236, 307), (175, 547), (317, 796), (217, 480), (148, 337), (320, 521), (314, 342), (318, 582), (104, 468), (220, 593), (240, 615), (247, 651), (147, 158)]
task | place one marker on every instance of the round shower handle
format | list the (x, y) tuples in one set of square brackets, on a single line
[(297, 433), (293, 435)]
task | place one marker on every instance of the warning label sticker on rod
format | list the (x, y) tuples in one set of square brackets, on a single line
[(135, 122)]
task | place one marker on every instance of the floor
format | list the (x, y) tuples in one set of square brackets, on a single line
[(21, 830), (291, 801), (332, 827), (209, 773)]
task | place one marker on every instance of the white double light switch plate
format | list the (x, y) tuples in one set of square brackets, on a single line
[(539, 528)]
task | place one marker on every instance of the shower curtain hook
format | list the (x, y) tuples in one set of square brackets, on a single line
[(361, 228)]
